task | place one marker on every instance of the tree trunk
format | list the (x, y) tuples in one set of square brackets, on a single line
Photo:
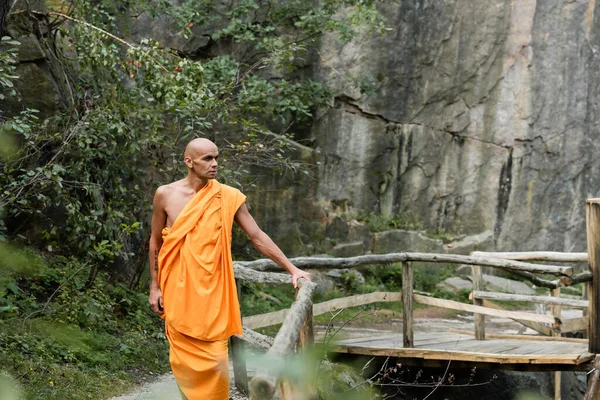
[(4, 7)]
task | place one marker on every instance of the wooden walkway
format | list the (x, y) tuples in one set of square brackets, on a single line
[(436, 348)]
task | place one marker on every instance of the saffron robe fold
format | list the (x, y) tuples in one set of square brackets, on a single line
[(201, 307)]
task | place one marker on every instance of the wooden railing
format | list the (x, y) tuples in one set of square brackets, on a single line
[(298, 318), (297, 321)]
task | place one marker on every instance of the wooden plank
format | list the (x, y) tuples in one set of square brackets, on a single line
[(544, 330), (407, 305), (455, 305), (478, 286), (277, 317), (524, 337), (354, 301), (575, 324), (561, 359), (592, 212), (531, 299), (553, 256), (267, 319), (394, 336)]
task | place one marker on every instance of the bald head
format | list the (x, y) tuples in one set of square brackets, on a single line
[(201, 157), (198, 146)]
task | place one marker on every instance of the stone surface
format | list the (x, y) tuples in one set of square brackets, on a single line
[(498, 284), (37, 88), (480, 242), (359, 232), (483, 119), (337, 229), (348, 249), (456, 284), (30, 48), (397, 241), (346, 276)]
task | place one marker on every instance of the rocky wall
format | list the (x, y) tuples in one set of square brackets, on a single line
[(484, 118)]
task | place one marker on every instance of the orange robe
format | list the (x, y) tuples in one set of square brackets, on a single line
[(201, 308)]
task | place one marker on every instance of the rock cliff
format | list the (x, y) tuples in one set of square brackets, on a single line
[(484, 118), (481, 118)]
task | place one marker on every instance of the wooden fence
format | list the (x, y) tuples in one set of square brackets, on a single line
[(296, 331)]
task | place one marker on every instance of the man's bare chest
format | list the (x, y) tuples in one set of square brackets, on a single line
[(176, 204)]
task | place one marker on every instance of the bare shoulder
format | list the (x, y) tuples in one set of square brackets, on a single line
[(164, 192)]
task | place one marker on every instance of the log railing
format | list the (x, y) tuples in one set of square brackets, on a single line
[(297, 321)]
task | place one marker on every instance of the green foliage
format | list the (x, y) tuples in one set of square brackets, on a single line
[(381, 222), (62, 348), (76, 189), (23, 122), (404, 220)]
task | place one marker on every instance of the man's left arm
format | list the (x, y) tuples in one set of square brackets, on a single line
[(265, 244)]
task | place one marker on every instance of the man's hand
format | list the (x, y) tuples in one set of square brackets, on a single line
[(155, 300), (299, 274)]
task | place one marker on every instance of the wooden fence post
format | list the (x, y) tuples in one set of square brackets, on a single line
[(307, 336), (479, 318), (592, 212), (407, 305), (240, 374), (556, 311)]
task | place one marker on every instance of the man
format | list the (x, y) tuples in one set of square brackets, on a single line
[(192, 283)]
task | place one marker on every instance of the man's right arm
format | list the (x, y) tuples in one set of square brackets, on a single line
[(159, 219)]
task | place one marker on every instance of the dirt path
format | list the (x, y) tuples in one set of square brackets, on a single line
[(165, 388)]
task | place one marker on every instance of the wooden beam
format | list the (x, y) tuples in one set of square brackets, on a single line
[(306, 339), (563, 281), (356, 300), (592, 212), (263, 385), (544, 330), (531, 299), (559, 360), (574, 324), (249, 275), (556, 312), (351, 262), (455, 305), (522, 337), (326, 262), (491, 262), (478, 285), (256, 339), (592, 391), (407, 305), (552, 256), (277, 317)]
